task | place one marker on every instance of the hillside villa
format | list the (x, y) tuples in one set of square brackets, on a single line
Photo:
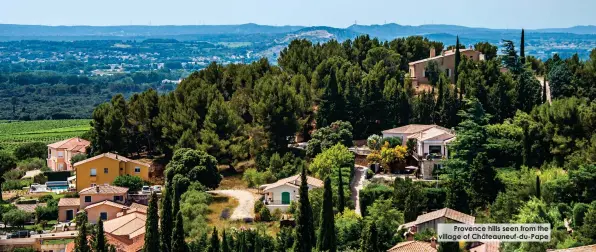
[(104, 201), (280, 194), (126, 232), (433, 219), (104, 168), (432, 144), (61, 153), (445, 61)]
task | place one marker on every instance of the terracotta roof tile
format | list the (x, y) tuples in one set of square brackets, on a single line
[(295, 181), (589, 248), (409, 129), (72, 144), (412, 246), (112, 156), (130, 225), (486, 247), (138, 207), (106, 203), (448, 213), (29, 208), (69, 202), (447, 53), (103, 189), (70, 247)]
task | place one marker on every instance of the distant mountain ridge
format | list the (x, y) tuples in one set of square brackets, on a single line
[(385, 31)]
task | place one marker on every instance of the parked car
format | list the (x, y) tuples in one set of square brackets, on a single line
[(146, 189), (156, 188), (19, 234)]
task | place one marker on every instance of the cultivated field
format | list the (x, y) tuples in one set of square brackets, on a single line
[(13, 134)]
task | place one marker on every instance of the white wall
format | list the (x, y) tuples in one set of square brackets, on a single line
[(276, 193)]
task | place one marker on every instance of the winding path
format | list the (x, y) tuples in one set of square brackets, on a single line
[(246, 203), (356, 185)]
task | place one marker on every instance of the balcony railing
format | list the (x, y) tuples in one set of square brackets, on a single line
[(275, 202)]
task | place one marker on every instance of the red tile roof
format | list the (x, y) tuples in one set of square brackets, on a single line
[(70, 247), (112, 156), (138, 207), (103, 189), (409, 129), (130, 225), (589, 248), (29, 208), (486, 247), (106, 203), (72, 144), (69, 202), (412, 246), (445, 212)]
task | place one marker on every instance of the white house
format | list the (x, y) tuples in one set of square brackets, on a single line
[(432, 142), (278, 195)]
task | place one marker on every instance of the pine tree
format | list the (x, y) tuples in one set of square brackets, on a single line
[(152, 226), (99, 243), (455, 70), (522, 53), (370, 239), (538, 187), (326, 240), (340, 193), (81, 243), (166, 219), (225, 247), (305, 231), (484, 185), (214, 242), (178, 243)]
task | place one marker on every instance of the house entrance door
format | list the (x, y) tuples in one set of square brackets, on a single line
[(285, 198)]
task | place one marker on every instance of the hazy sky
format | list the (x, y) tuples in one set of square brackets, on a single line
[(336, 13)]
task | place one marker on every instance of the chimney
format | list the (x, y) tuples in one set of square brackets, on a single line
[(433, 242), (433, 53)]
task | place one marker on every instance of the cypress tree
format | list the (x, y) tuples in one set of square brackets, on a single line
[(457, 60), (370, 239), (340, 193), (214, 242), (81, 243), (166, 220), (152, 226), (326, 240), (225, 247), (522, 53), (178, 243), (538, 187), (99, 243), (305, 231)]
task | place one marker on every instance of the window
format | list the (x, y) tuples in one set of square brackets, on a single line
[(471, 57), (93, 172), (87, 199), (118, 198), (103, 215), (137, 169), (93, 185), (434, 149), (448, 72), (105, 170), (60, 166), (61, 154)]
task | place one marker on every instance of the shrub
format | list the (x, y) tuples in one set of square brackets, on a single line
[(225, 214), (45, 198), (276, 215), (579, 212), (374, 142), (31, 150), (133, 183), (292, 208), (13, 174), (369, 173), (16, 217), (393, 141), (76, 158), (265, 214), (258, 206), (32, 164), (255, 178), (371, 193), (40, 179), (15, 184)]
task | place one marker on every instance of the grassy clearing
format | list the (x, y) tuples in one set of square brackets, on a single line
[(220, 203), (14, 134)]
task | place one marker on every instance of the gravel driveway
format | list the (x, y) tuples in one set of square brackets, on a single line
[(356, 185), (246, 203)]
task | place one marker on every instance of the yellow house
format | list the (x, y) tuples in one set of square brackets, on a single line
[(104, 168)]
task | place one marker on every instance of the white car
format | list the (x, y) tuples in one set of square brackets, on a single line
[(156, 188), (146, 189)]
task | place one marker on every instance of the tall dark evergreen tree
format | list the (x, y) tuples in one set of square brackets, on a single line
[(340, 193), (214, 242), (305, 231), (178, 243), (225, 246), (166, 217), (370, 238), (484, 184), (456, 70), (522, 53), (152, 226), (538, 187), (326, 240), (99, 243), (81, 242)]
